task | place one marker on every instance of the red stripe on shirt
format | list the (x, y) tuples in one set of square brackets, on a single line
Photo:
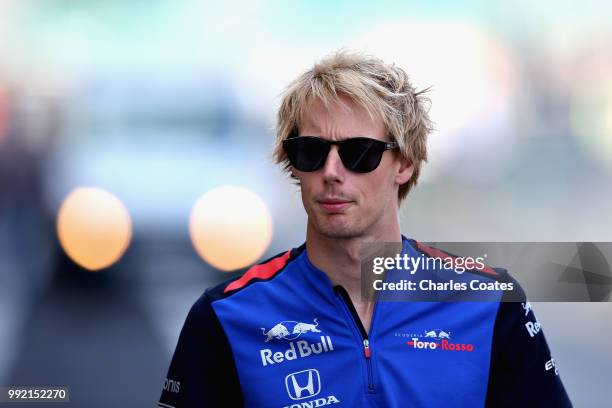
[(261, 271)]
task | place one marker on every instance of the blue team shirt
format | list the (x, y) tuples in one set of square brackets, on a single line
[(282, 335)]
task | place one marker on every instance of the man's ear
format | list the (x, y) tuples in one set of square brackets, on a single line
[(405, 171)]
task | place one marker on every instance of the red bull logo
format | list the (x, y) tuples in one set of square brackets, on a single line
[(291, 330), (297, 349)]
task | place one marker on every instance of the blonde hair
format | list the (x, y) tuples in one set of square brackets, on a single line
[(384, 90)]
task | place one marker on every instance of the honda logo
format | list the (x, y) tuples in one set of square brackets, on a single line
[(303, 384)]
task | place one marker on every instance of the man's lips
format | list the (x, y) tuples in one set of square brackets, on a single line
[(333, 205)]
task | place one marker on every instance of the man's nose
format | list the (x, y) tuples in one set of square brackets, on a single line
[(333, 169)]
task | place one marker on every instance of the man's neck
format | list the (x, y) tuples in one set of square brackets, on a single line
[(340, 259)]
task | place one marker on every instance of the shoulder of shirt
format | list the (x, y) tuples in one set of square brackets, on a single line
[(516, 294), (261, 272), (495, 273)]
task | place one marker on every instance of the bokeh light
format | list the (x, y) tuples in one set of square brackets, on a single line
[(94, 227), (230, 227)]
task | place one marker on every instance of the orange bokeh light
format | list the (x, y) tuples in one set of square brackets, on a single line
[(94, 227), (230, 227)]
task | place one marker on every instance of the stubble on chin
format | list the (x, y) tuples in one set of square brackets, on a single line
[(336, 230)]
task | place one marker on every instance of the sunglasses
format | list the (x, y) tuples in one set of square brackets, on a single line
[(358, 154)]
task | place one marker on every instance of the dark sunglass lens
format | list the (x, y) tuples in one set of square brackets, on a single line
[(361, 155), (306, 153)]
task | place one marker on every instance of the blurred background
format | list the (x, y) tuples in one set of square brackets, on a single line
[(129, 130)]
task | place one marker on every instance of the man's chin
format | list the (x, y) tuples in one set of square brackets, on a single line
[(338, 231)]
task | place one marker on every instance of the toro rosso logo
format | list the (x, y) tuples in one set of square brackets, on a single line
[(290, 330), (438, 340)]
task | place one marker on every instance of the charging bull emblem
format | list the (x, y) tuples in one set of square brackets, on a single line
[(301, 328), (278, 332), (290, 330), (443, 335), (440, 334)]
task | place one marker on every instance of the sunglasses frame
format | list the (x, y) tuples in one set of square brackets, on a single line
[(382, 146)]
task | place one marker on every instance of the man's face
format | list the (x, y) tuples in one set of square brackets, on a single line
[(342, 204)]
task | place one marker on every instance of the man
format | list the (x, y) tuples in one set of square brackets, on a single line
[(294, 331)]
